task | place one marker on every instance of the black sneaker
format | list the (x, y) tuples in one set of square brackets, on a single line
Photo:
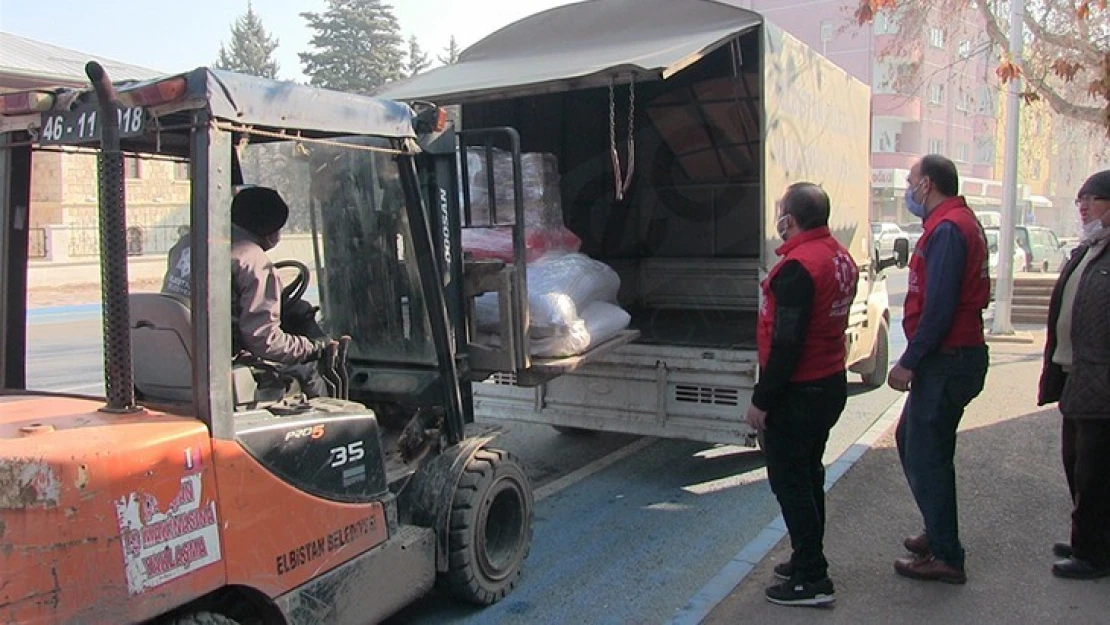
[(784, 570), (796, 592)]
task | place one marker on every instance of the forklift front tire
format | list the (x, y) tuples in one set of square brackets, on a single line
[(490, 528)]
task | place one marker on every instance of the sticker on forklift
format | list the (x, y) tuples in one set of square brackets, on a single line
[(158, 546)]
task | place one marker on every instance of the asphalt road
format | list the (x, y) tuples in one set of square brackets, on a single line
[(627, 529)]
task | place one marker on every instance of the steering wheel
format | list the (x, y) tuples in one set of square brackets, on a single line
[(295, 290)]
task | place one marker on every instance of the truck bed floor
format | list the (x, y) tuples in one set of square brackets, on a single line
[(696, 328)]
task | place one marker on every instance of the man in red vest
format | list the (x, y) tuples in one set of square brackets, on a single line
[(945, 363), (802, 385)]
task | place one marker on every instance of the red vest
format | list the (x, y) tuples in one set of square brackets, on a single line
[(975, 287), (834, 276)]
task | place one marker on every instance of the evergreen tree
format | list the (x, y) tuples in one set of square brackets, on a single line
[(251, 49), (358, 46), (450, 54), (417, 59)]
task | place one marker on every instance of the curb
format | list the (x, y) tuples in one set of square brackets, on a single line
[(745, 561), (1019, 336)]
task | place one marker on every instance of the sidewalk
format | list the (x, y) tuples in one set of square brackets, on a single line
[(1013, 506)]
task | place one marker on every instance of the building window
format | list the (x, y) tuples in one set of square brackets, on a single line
[(132, 168), (936, 37), (890, 76), (886, 23), (964, 102), (936, 93), (1035, 168), (962, 152), (936, 146), (181, 170), (985, 103), (965, 49), (984, 151)]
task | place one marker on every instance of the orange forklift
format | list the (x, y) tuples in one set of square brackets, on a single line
[(202, 490)]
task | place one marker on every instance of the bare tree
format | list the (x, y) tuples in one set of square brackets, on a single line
[(1066, 62)]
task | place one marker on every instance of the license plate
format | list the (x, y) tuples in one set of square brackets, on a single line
[(82, 125)]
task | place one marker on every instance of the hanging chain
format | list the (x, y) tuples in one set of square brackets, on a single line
[(612, 117), (613, 154), (631, 135), (631, 113), (621, 186)]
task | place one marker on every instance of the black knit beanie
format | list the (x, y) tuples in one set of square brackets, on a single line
[(259, 210)]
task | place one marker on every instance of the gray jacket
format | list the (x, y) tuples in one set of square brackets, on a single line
[(255, 298)]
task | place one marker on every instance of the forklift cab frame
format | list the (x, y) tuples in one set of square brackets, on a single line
[(210, 117)]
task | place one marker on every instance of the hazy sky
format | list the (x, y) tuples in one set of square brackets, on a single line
[(175, 36)]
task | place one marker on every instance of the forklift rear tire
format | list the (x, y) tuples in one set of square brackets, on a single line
[(490, 529), (199, 618)]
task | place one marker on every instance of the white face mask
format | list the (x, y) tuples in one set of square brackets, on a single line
[(781, 227), (1091, 229)]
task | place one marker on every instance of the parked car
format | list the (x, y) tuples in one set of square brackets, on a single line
[(883, 236), (1020, 260), (1044, 252), (1068, 245), (989, 219), (914, 231)]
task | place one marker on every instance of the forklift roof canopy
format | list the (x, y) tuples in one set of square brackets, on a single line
[(265, 103), (583, 45), (257, 101)]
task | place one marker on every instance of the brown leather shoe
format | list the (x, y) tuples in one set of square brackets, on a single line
[(917, 545), (929, 569)]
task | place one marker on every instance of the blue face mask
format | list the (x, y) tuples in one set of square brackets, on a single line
[(917, 209)]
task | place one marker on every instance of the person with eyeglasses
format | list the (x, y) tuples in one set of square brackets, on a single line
[(1076, 373)]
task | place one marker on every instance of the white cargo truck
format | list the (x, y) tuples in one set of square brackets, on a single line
[(676, 126)]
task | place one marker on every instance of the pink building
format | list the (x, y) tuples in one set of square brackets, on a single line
[(932, 92)]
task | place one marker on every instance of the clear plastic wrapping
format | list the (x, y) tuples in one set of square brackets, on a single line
[(571, 305), (540, 181)]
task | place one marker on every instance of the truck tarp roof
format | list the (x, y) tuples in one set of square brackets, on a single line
[(587, 43)]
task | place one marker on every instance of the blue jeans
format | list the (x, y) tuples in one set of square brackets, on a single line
[(944, 383)]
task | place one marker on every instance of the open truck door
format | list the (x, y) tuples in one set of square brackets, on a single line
[(466, 174), (720, 111)]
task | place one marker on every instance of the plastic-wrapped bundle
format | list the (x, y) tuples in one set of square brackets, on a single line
[(579, 277), (571, 305), (539, 177), (497, 243)]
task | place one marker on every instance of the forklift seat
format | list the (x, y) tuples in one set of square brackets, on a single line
[(161, 350), (161, 346)]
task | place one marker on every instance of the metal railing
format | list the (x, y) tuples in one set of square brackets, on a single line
[(83, 241), (36, 246)]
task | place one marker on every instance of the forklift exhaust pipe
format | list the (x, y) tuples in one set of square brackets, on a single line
[(118, 373)]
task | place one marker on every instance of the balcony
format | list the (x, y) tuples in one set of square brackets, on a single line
[(904, 108), (893, 160)]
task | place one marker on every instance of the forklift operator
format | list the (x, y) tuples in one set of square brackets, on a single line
[(257, 215)]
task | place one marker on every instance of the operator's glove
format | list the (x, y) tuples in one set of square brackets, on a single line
[(300, 318)]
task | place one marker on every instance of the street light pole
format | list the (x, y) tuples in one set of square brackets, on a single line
[(1004, 288)]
